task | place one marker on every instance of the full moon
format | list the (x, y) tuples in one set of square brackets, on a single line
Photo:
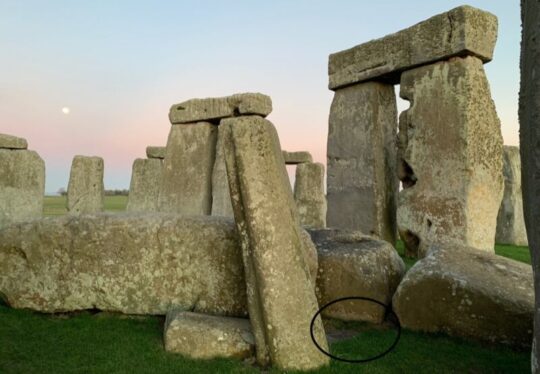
[(65, 110)]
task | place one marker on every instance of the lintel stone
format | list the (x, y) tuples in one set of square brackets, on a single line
[(155, 152), (293, 158), (461, 31), (12, 142)]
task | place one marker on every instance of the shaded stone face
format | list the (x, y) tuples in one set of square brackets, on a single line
[(127, 262), (201, 336), (22, 186), (353, 264), (12, 142), (465, 292), (213, 109), (281, 297), (85, 189), (461, 31), (294, 158), (361, 153), (144, 187), (309, 195), (186, 183), (450, 157), (510, 220), (155, 152), (221, 196)]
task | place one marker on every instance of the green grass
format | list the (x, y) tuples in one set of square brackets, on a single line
[(56, 205)]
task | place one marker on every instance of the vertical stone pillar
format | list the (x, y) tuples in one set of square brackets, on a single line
[(362, 182), (221, 196), (450, 157), (85, 189), (186, 183), (309, 195), (22, 181), (281, 295), (510, 220), (144, 188)]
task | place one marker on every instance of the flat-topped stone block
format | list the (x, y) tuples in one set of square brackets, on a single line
[(459, 32), (294, 158), (12, 142), (155, 152), (213, 109)]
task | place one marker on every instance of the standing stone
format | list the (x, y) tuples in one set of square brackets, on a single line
[(221, 196), (85, 188), (510, 221), (450, 157), (281, 297), (202, 336), (362, 182), (186, 184), (529, 137), (22, 185), (144, 187), (12, 142), (155, 152), (309, 195)]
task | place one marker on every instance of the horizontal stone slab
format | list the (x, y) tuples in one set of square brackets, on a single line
[(293, 158), (213, 109), (12, 142), (461, 31), (155, 152)]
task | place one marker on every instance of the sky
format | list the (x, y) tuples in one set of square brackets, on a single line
[(119, 66)]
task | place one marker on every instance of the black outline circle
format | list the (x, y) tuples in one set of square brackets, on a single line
[(386, 309)]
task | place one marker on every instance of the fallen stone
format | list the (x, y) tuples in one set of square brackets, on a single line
[(186, 184), (85, 189), (459, 32), (12, 142), (281, 296), (469, 293), (361, 154), (144, 187), (22, 186), (135, 263), (221, 196), (510, 219), (155, 152), (213, 109), (201, 336), (294, 158), (353, 264), (450, 157), (309, 195)]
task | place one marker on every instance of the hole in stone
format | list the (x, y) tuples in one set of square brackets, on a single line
[(236, 112), (179, 107), (429, 223), (406, 174)]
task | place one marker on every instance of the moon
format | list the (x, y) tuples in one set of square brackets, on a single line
[(65, 110)]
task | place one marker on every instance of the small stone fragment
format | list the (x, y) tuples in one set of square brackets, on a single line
[(12, 142), (201, 336), (155, 152), (293, 158), (309, 195), (85, 189), (213, 109)]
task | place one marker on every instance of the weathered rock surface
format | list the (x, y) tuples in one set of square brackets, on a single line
[(12, 142), (213, 109), (361, 183), (461, 31), (353, 264), (22, 186), (155, 152), (186, 184), (202, 336), (85, 189), (510, 220), (469, 293), (221, 196), (281, 296), (294, 158), (131, 263), (450, 157), (144, 187), (309, 195)]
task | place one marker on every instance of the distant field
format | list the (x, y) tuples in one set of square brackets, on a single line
[(56, 205)]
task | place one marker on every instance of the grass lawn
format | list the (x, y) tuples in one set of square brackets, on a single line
[(90, 342)]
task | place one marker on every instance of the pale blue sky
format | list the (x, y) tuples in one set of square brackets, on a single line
[(119, 65)]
